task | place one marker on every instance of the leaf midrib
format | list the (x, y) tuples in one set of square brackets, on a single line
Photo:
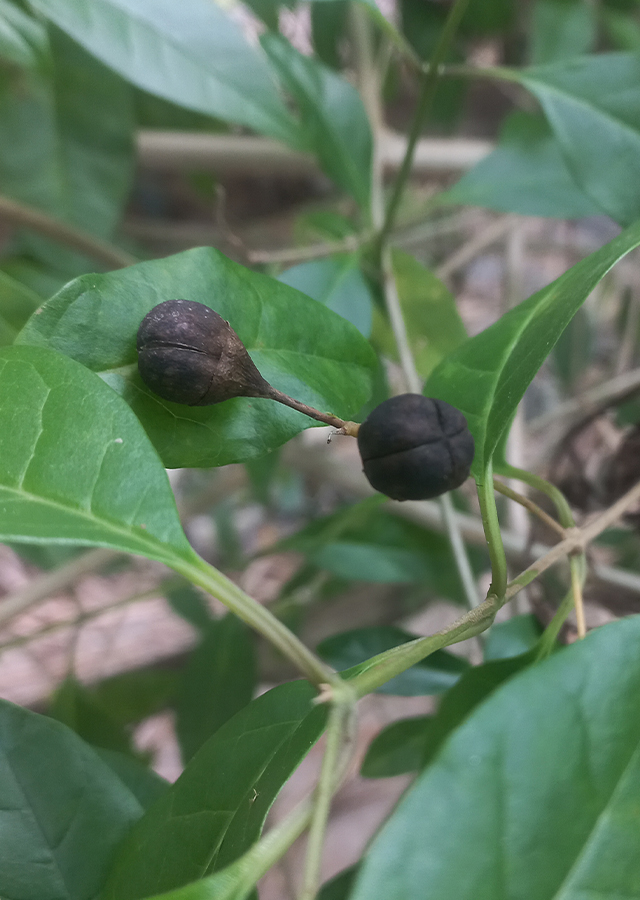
[(151, 542)]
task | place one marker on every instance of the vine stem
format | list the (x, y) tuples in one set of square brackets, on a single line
[(576, 592), (103, 252), (346, 427), (529, 505), (338, 728), (258, 617), (489, 513), (425, 101)]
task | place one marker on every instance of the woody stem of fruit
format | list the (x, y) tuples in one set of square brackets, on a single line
[(350, 428)]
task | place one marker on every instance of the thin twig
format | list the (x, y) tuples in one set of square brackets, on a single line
[(576, 593), (349, 244), (471, 248), (103, 252), (530, 505), (425, 101)]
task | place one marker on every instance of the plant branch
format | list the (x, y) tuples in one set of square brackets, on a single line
[(578, 570), (103, 252), (491, 525), (530, 505), (257, 617), (425, 101), (338, 729)]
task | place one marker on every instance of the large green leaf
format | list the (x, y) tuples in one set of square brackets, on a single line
[(75, 463), (434, 675), (525, 174), (299, 345), (593, 107), (333, 116), (535, 796), (219, 679), (73, 705), (217, 808), (190, 53), (66, 144), (487, 376), (62, 810)]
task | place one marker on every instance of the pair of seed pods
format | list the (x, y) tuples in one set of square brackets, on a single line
[(412, 447)]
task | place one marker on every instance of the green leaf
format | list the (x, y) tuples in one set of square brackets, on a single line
[(430, 312), (66, 144), (143, 782), (364, 543), (301, 347), (457, 704), (132, 696), (73, 705), (513, 637), (562, 29), (22, 40), (328, 24), (333, 117), (219, 679), (191, 54), (190, 605), (340, 885), (536, 795), (398, 749), (337, 283), (216, 809), (622, 30), (525, 174), (593, 107), (62, 810), (75, 464), (17, 303), (487, 376), (434, 675)]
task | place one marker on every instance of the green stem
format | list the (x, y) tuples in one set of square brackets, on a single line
[(376, 671), (258, 617), (425, 101), (545, 487), (550, 635), (491, 525), (327, 784)]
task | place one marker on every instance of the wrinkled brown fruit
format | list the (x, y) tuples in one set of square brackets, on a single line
[(188, 353)]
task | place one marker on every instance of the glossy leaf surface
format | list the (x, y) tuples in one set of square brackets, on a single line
[(525, 174), (299, 346), (62, 810), (191, 54), (216, 809), (434, 675), (106, 489), (547, 769), (487, 376), (333, 116)]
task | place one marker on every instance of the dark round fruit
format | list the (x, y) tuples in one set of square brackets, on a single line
[(188, 353), (415, 448)]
